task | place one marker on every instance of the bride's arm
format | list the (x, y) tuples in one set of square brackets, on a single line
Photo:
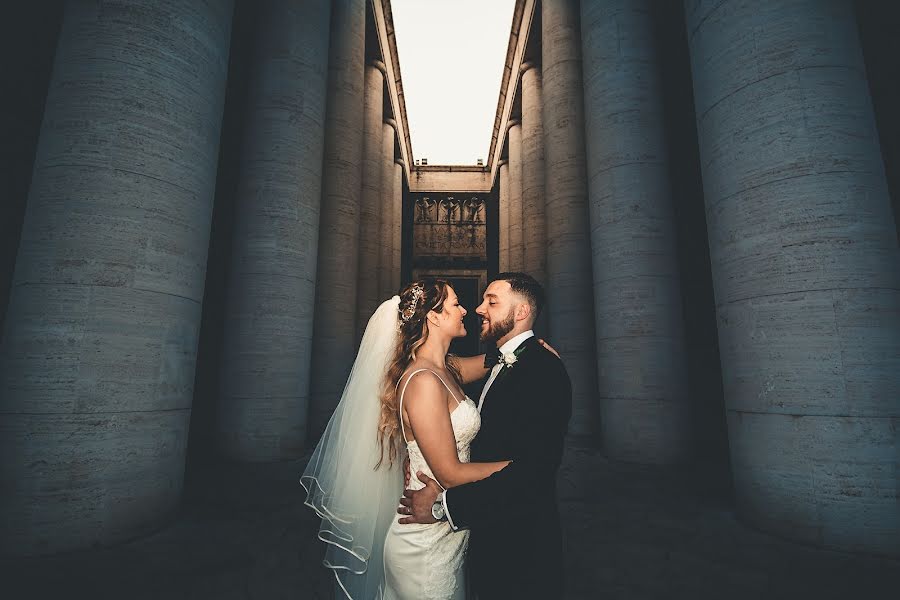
[(425, 401), (471, 368)]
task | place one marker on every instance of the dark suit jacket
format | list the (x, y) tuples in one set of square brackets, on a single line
[(515, 547)]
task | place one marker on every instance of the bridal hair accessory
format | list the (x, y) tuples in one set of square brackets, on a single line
[(417, 292)]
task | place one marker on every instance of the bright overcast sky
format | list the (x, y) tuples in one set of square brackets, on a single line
[(451, 60)]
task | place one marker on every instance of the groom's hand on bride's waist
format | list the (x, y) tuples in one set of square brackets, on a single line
[(406, 472), (416, 504)]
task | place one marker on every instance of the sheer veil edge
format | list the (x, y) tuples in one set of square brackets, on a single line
[(355, 501)]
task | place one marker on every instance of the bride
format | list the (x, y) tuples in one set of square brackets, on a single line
[(404, 394)]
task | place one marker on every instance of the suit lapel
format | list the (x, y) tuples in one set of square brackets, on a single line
[(496, 412), (500, 382)]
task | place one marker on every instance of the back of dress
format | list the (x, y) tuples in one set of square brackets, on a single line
[(466, 422), (426, 561)]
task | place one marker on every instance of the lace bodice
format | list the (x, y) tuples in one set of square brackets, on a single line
[(466, 421)]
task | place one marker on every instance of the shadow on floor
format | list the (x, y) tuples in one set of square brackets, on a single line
[(632, 532)]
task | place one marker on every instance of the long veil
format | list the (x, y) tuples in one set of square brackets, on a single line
[(356, 501)]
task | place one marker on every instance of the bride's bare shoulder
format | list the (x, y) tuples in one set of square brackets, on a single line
[(410, 370), (420, 378)]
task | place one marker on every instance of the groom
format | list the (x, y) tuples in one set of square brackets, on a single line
[(515, 545)]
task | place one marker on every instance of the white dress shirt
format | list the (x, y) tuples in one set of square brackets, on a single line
[(509, 346)]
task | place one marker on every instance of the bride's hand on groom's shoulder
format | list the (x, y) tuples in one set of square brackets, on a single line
[(543, 343), (416, 504)]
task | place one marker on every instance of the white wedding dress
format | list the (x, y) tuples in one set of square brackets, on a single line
[(426, 561)]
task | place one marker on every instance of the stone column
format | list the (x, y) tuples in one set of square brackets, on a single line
[(503, 242), (533, 214), (396, 278), (264, 378), (100, 340), (516, 245), (334, 328), (570, 297), (386, 245), (806, 269), (370, 197), (642, 369)]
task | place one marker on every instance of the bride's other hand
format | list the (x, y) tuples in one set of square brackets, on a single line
[(416, 504), (548, 347)]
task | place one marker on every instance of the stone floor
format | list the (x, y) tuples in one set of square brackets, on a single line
[(632, 533)]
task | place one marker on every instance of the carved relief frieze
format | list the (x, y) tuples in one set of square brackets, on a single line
[(450, 226)]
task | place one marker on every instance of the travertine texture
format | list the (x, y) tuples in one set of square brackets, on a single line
[(263, 400), (450, 179), (806, 269), (503, 182), (334, 328), (397, 235), (534, 238), (570, 298), (514, 200), (641, 361), (370, 212), (386, 213), (100, 339)]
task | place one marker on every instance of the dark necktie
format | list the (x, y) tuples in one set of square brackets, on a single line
[(491, 359)]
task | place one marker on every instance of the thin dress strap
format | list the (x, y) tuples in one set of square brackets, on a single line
[(403, 391)]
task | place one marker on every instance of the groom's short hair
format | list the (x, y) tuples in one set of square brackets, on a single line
[(526, 286)]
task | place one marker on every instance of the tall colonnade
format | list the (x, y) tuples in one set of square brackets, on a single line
[(101, 330), (806, 269), (98, 358), (100, 338), (268, 319), (804, 260)]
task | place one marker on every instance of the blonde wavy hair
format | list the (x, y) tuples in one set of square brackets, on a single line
[(416, 300)]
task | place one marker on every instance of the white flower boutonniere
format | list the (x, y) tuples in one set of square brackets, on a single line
[(509, 359)]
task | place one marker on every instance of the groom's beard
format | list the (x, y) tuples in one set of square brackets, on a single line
[(498, 329)]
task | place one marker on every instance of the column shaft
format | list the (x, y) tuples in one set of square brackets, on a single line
[(516, 239), (806, 269), (570, 298), (100, 340), (642, 368), (397, 238), (533, 208), (386, 209), (263, 398), (370, 198), (334, 328), (503, 182)]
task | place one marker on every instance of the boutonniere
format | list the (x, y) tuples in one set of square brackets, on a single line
[(510, 358)]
